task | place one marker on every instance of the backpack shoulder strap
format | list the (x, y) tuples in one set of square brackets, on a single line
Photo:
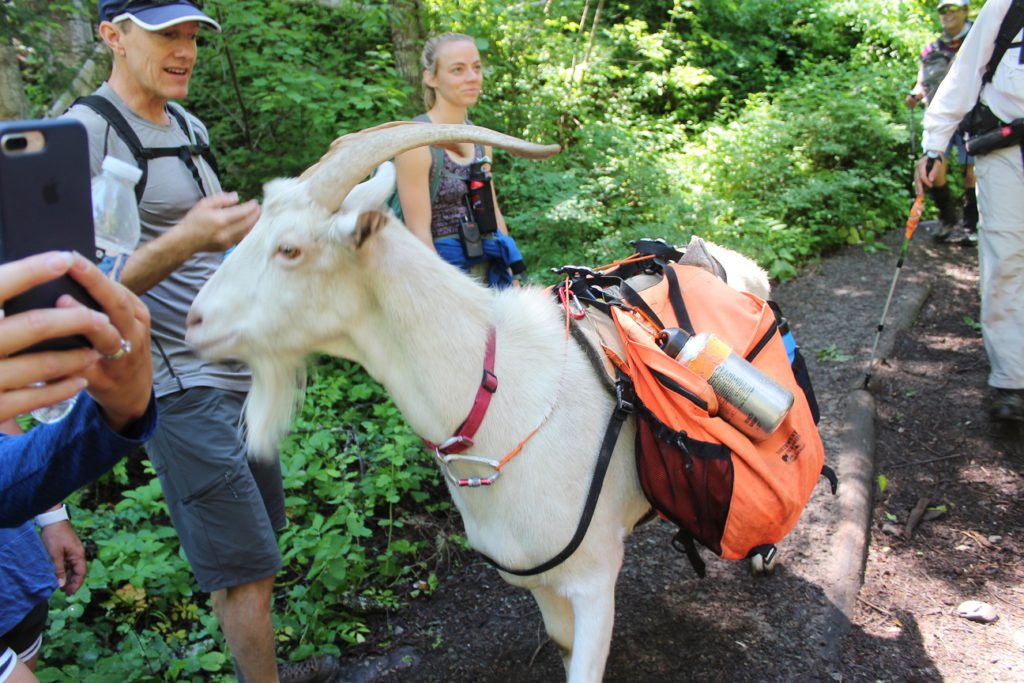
[(113, 116), (436, 171), (181, 116), (199, 145), (436, 162), (1012, 24)]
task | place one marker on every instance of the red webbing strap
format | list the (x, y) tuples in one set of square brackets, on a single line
[(463, 437)]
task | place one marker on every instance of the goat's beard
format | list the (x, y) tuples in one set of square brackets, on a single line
[(277, 390)]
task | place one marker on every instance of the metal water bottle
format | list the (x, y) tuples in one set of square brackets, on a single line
[(748, 399)]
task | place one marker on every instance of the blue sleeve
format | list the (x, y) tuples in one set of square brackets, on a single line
[(40, 468)]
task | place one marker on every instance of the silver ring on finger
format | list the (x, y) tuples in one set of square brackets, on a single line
[(124, 350)]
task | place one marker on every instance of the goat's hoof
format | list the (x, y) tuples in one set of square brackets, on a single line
[(762, 562)]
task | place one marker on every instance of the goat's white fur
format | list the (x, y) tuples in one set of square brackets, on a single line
[(364, 288)]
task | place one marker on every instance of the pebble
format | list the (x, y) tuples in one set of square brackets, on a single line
[(975, 610)]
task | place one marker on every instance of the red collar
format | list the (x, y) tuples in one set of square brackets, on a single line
[(463, 436)]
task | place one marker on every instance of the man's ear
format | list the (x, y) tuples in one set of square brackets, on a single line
[(111, 34)]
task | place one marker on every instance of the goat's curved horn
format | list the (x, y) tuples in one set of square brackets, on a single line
[(352, 157)]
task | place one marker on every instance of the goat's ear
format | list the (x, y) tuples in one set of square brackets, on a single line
[(367, 224), (697, 254), (373, 193)]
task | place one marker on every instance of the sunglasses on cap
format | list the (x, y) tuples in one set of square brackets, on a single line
[(946, 9)]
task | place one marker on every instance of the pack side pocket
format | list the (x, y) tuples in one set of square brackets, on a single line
[(688, 481)]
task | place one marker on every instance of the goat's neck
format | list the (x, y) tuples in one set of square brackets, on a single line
[(429, 357)]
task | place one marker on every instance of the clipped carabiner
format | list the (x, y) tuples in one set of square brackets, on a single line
[(571, 304)]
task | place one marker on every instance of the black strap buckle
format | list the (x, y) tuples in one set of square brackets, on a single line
[(624, 396), (575, 272)]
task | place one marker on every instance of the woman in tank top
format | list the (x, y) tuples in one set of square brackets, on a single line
[(452, 83)]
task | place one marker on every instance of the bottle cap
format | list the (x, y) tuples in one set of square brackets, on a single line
[(672, 340), (122, 169)]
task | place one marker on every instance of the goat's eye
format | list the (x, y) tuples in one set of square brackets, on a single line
[(289, 251)]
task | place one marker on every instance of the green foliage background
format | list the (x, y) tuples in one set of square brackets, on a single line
[(775, 126)]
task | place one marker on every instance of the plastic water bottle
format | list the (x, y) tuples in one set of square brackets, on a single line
[(115, 213), (748, 399)]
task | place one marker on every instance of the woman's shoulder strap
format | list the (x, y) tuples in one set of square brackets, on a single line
[(436, 162)]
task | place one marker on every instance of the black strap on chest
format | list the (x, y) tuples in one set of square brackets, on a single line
[(112, 115), (1013, 23), (624, 399)]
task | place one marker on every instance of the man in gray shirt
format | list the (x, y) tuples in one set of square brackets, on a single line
[(225, 509)]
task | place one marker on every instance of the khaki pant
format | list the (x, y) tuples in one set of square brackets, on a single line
[(1001, 262)]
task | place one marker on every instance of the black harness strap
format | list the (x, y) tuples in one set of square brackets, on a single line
[(113, 116), (683, 542), (623, 408), (636, 301), (105, 108), (675, 297), (1013, 22)]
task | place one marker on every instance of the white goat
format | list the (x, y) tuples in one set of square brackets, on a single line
[(334, 274)]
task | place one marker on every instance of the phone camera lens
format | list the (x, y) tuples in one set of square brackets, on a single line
[(15, 143)]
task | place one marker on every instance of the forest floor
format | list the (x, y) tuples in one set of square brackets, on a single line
[(931, 440)]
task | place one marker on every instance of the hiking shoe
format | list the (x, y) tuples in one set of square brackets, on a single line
[(1008, 405), (319, 669), (962, 236), (944, 231)]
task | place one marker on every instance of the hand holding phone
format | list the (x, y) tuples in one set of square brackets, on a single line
[(45, 205), (120, 383)]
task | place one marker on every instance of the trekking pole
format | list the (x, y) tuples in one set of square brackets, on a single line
[(912, 221), (913, 150), (913, 136)]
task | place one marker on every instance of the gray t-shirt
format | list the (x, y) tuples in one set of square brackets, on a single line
[(171, 191)]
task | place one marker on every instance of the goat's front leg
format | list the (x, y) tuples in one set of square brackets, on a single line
[(593, 610), (581, 627), (556, 610)]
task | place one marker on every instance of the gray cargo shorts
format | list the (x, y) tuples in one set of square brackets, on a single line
[(225, 508)]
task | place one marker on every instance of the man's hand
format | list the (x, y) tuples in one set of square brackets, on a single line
[(67, 553), (913, 99), (214, 224), (219, 222), (930, 171)]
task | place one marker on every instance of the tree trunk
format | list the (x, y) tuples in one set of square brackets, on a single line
[(13, 104), (407, 38)]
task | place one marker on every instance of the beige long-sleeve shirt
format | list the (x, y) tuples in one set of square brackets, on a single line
[(959, 90)]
